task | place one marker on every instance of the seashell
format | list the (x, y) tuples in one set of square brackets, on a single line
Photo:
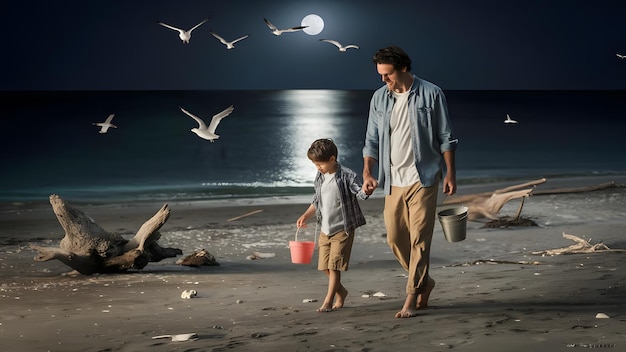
[(187, 294), (602, 316), (260, 255), (309, 300), (263, 255), (379, 294), (185, 337), (178, 338)]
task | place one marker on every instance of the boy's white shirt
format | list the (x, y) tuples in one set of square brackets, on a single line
[(330, 206)]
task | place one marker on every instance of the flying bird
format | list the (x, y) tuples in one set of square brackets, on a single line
[(621, 56), (277, 31), (342, 48), (231, 44), (184, 35), (205, 132), (104, 126), (509, 119)]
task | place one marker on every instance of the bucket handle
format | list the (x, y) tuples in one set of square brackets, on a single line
[(445, 196), (314, 235)]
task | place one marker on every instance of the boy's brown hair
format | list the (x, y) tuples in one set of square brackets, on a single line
[(322, 150)]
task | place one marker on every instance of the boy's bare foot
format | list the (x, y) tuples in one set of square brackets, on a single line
[(409, 309), (340, 298), (422, 299)]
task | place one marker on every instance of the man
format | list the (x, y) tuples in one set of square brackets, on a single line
[(409, 135)]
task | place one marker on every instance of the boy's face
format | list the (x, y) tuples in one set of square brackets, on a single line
[(325, 167)]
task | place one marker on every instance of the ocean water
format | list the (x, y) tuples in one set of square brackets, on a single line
[(49, 145)]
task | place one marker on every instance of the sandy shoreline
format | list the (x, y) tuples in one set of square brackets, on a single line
[(517, 305)]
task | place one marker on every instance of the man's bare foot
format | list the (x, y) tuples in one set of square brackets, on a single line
[(406, 313), (325, 308), (409, 309), (340, 298), (422, 299)]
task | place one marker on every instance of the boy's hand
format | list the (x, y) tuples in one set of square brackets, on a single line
[(301, 222)]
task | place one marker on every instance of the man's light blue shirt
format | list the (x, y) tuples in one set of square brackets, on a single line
[(431, 131)]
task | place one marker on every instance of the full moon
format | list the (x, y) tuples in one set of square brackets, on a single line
[(315, 24)]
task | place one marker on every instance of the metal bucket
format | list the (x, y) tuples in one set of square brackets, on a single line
[(454, 223)]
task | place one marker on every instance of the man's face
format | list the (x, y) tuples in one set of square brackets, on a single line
[(389, 75)]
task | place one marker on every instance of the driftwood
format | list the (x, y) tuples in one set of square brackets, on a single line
[(198, 258), (577, 189), (493, 261), (580, 247), (245, 215), (88, 248), (488, 204)]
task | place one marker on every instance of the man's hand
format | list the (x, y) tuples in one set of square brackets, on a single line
[(449, 185), (369, 184), (449, 181)]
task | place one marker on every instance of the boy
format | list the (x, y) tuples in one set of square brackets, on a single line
[(337, 210)]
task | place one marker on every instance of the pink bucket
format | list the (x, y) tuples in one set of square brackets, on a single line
[(301, 251)]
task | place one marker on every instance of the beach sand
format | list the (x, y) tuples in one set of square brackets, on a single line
[(492, 293)]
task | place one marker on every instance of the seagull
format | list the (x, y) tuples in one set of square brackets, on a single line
[(229, 45), (509, 119), (205, 132), (277, 31), (342, 48), (184, 35), (621, 56), (104, 126)]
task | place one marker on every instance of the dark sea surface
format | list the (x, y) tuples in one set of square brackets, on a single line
[(49, 145)]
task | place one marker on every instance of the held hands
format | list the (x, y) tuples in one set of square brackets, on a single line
[(369, 184)]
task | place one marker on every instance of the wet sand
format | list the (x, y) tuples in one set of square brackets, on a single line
[(493, 293)]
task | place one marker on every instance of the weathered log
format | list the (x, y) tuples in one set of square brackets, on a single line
[(484, 195), (489, 204), (581, 246), (601, 186), (88, 248)]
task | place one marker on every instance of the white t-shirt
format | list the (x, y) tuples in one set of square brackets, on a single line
[(330, 206), (403, 169)]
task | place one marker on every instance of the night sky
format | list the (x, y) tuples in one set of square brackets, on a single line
[(458, 44)]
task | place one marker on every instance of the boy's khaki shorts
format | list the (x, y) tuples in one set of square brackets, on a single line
[(334, 251)]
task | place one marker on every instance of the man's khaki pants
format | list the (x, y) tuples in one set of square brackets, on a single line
[(410, 220)]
